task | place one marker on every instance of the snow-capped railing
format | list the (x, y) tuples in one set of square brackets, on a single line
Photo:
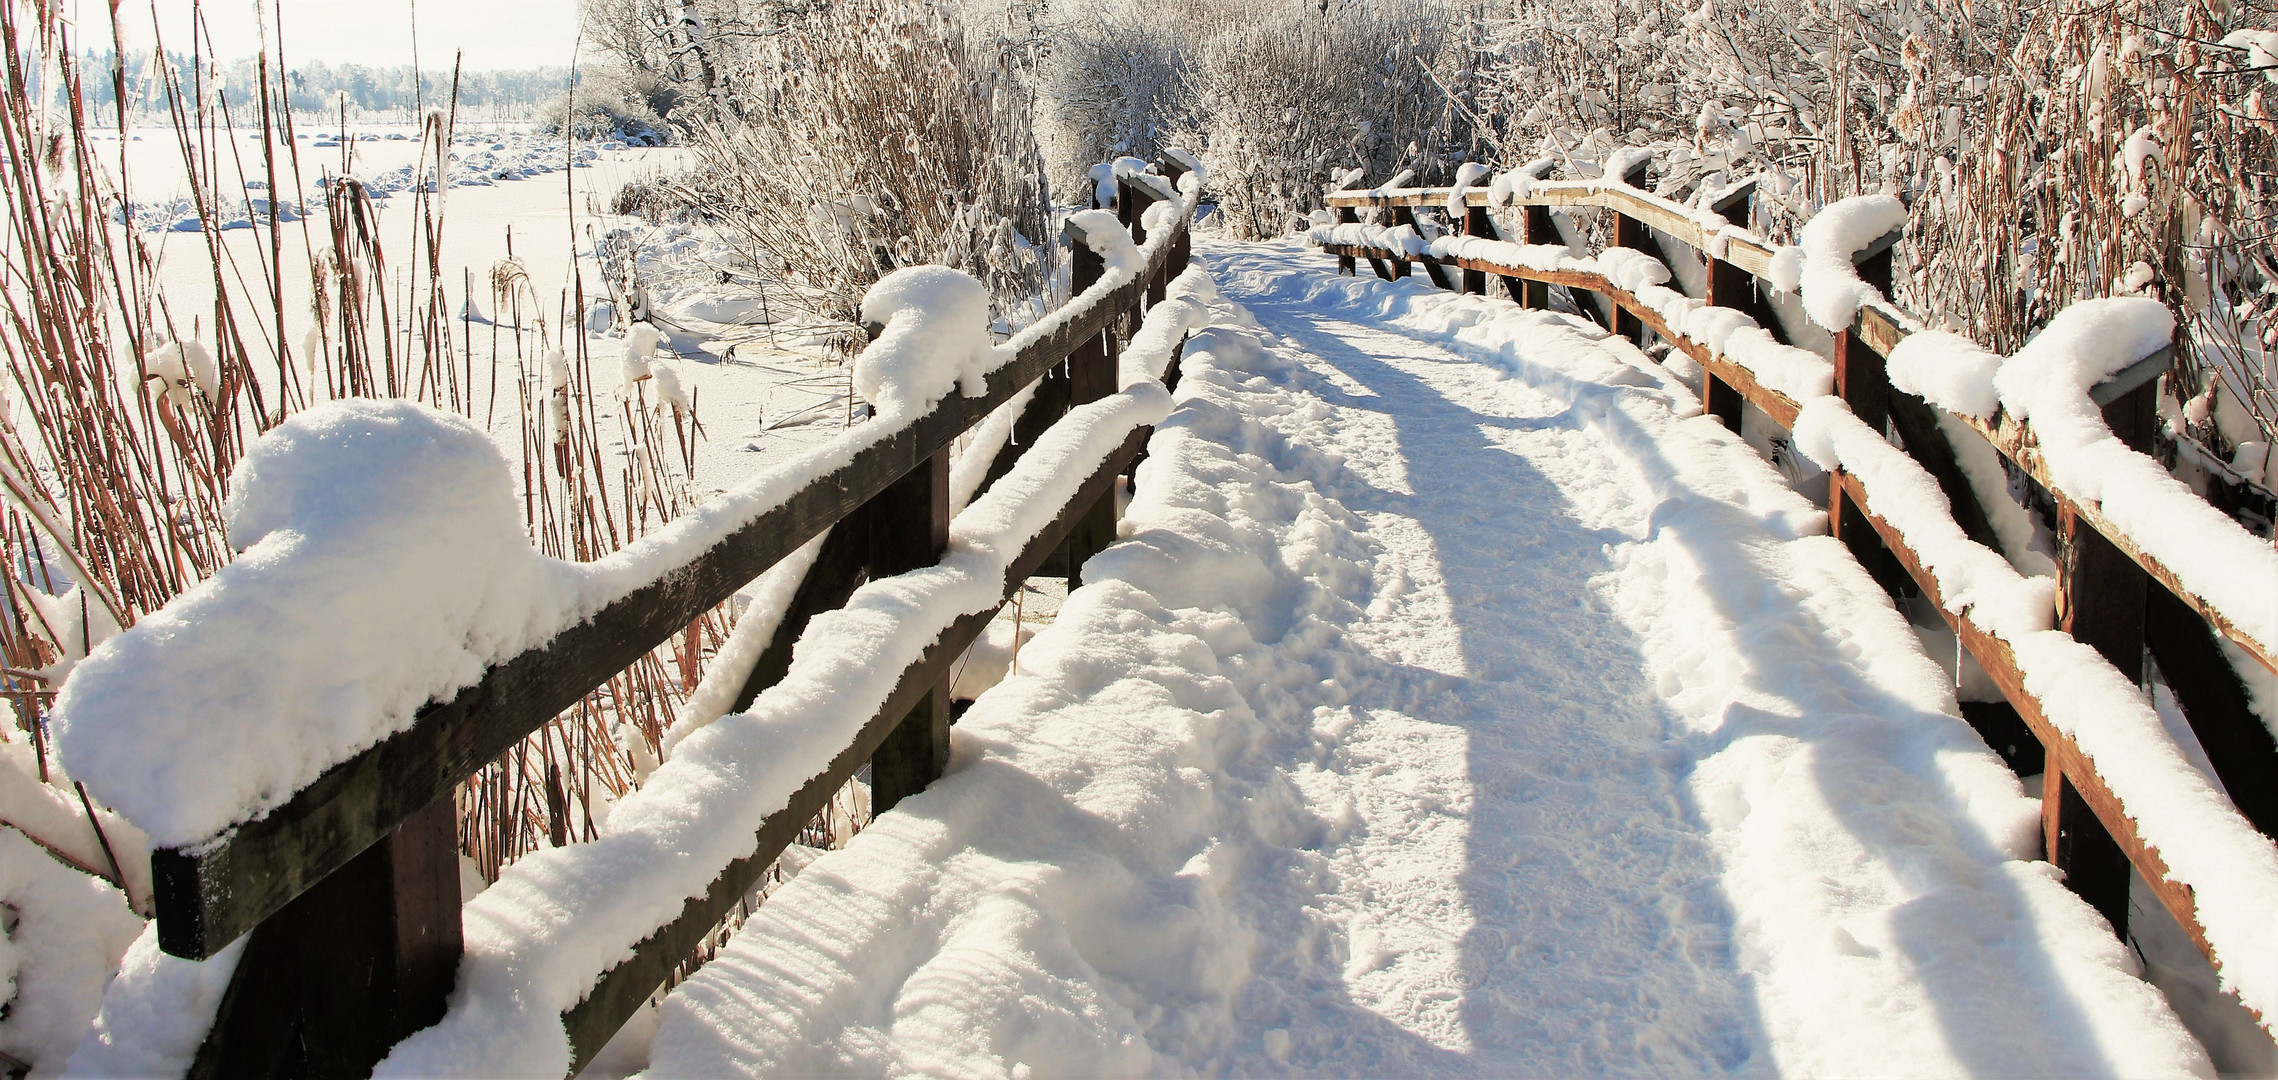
[(349, 886), (2142, 562)]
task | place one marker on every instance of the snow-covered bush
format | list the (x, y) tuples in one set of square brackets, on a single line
[(1277, 99), (886, 136), (1284, 102), (1112, 84)]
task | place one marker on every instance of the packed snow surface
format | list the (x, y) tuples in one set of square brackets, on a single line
[(1459, 701)]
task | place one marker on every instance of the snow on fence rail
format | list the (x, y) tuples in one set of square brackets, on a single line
[(347, 878), (2143, 562)]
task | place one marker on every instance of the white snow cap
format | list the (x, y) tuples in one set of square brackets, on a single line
[(1832, 290), (936, 338), (2085, 344), (186, 368), (1465, 177), (2261, 50), (1187, 161), (384, 565), (640, 345), (1100, 231), (1947, 370)]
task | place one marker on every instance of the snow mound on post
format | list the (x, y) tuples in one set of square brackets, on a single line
[(383, 565), (1832, 289), (936, 338), (1947, 370), (1471, 173), (1103, 233), (2047, 382), (2086, 343)]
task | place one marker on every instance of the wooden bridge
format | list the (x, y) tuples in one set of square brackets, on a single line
[(350, 889)]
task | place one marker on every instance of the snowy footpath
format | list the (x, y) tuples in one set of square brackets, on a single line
[(1459, 701)]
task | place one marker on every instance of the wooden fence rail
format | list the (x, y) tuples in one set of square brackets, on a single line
[(350, 889), (2113, 595)]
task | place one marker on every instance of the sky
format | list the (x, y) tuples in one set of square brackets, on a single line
[(496, 34)]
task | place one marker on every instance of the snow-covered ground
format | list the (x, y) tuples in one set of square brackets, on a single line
[(1460, 701), (510, 193)]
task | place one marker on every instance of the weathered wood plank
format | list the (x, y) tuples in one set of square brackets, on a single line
[(206, 899), (350, 967), (909, 529)]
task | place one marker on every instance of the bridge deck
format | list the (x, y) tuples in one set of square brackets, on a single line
[(1460, 701)]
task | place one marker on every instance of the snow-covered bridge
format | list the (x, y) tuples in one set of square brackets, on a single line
[(1456, 694), (1458, 701)]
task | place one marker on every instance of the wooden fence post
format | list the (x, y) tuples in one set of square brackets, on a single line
[(364, 958), (1863, 382), (2101, 600), (1346, 264), (1633, 234), (1732, 287), (1535, 227), (1091, 376), (909, 530), (1477, 223), (1406, 215)]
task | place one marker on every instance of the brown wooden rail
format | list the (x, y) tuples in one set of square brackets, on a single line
[(2113, 596), (350, 888)]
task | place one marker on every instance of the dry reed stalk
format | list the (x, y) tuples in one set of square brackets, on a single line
[(117, 477)]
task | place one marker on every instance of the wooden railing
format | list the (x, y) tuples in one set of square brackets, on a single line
[(350, 889), (2113, 595)]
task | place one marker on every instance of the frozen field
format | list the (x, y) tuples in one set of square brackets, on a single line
[(511, 193)]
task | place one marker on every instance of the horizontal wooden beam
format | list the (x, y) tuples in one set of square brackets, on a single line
[(621, 991), (207, 897), (2000, 664)]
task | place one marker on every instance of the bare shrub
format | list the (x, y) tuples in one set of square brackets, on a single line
[(889, 137)]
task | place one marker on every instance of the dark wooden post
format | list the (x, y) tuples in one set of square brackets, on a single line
[(2101, 599), (338, 976), (909, 530), (1406, 215), (1477, 223), (1863, 382), (1091, 376), (1535, 227), (2215, 701), (1346, 264), (1633, 234), (1730, 286)]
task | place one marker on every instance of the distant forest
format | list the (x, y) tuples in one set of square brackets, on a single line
[(316, 87)]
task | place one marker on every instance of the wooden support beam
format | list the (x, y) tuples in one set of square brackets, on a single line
[(1477, 222), (350, 967), (1863, 381), (1346, 264), (909, 530), (1535, 227), (2215, 702)]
